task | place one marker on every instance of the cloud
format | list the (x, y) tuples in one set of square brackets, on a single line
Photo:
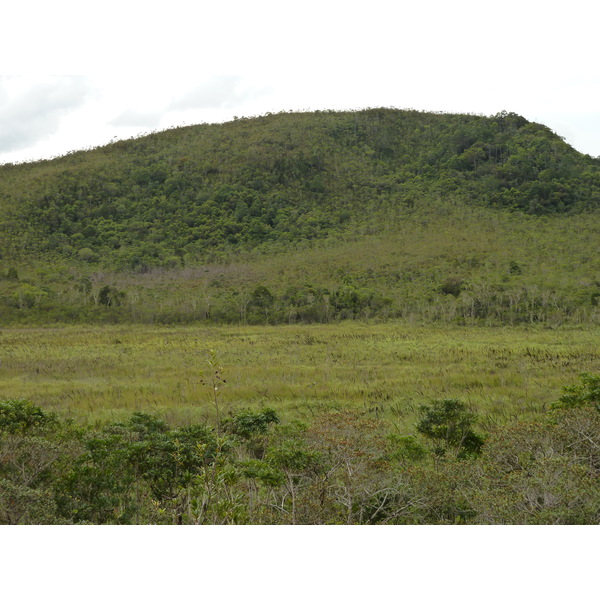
[(219, 92), (134, 118), (151, 107), (31, 110)]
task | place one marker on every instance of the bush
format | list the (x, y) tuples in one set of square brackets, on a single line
[(247, 424), (108, 296), (22, 505), (27, 296), (406, 448), (12, 273), (18, 416), (539, 473), (452, 286), (587, 393), (87, 254), (448, 424)]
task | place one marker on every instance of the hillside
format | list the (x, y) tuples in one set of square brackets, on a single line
[(309, 216)]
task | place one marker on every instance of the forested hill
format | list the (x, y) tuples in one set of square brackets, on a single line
[(190, 194)]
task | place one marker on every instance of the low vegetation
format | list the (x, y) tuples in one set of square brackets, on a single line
[(107, 372), (342, 468), (348, 423)]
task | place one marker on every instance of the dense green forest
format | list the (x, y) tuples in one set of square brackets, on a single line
[(307, 217)]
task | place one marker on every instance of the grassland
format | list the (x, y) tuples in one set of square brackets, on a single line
[(99, 374)]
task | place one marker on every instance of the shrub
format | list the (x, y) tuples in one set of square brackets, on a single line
[(452, 286), (539, 473), (12, 273), (87, 254), (587, 393), (406, 448), (448, 424), (27, 296), (109, 296), (22, 505), (247, 424), (18, 416)]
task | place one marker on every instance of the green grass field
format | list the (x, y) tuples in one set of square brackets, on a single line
[(104, 373)]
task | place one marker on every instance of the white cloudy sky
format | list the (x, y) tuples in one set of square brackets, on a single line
[(78, 74)]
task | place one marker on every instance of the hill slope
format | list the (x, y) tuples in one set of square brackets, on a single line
[(435, 192), (199, 190)]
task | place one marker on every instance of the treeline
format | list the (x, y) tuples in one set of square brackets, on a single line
[(27, 303), (196, 194), (342, 468), (451, 301)]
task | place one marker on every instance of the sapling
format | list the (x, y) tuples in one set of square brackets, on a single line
[(214, 381)]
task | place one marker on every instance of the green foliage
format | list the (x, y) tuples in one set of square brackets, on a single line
[(143, 425), (515, 268), (452, 286), (142, 457), (20, 416), (292, 457), (87, 254), (311, 217), (108, 296), (406, 448), (27, 296), (262, 471), (541, 473), (448, 424), (247, 424), (23, 505), (280, 179), (342, 468), (587, 393)]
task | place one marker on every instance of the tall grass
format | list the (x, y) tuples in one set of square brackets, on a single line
[(387, 370)]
